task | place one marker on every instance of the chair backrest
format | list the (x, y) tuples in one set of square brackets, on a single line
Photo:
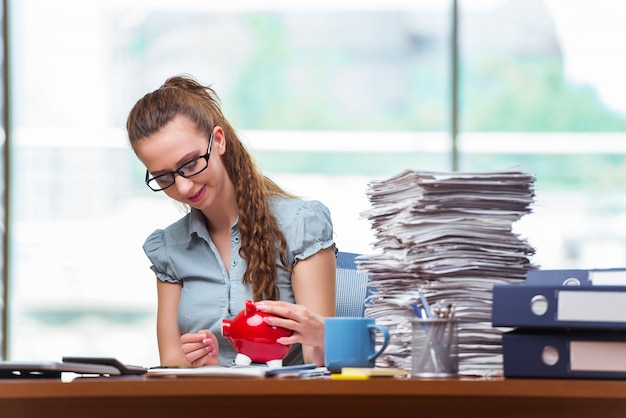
[(352, 287)]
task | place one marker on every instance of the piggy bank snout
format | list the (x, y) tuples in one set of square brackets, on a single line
[(226, 328)]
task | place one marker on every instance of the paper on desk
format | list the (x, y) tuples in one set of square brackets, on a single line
[(450, 236), (208, 371)]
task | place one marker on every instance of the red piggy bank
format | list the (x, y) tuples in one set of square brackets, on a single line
[(253, 339)]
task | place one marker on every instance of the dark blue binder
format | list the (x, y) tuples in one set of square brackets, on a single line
[(600, 307), (576, 277), (575, 354)]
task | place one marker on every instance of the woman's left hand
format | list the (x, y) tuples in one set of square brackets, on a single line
[(307, 326)]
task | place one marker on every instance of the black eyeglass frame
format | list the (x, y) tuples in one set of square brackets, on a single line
[(179, 170)]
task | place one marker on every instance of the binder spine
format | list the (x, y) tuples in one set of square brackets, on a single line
[(598, 307), (564, 354)]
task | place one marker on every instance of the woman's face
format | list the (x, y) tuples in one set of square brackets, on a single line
[(175, 145)]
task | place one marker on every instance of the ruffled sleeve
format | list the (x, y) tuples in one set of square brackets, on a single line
[(156, 249), (307, 226)]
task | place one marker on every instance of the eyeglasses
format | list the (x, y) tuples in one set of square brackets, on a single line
[(190, 168)]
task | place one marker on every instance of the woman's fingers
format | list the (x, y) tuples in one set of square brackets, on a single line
[(283, 309), (307, 327), (199, 348)]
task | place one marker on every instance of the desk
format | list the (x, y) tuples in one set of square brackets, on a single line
[(140, 397)]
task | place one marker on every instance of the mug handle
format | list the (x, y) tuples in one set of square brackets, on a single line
[(385, 332)]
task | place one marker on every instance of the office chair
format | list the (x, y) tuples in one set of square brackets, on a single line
[(351, 287)]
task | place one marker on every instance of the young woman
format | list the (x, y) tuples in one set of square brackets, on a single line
[(242, 238)]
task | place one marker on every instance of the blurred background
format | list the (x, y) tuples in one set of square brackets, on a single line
[(328, 95)]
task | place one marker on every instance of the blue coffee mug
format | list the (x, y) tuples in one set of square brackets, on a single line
[(351, 342)]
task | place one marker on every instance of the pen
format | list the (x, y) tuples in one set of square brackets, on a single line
[(427, 310), (313, 374), (416, 309)]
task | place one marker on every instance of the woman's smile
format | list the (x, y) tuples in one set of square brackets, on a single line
[(198, 196)]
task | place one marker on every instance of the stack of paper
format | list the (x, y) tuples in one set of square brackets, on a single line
[(450, 236)]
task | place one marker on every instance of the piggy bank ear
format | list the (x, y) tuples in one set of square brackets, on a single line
[(250, 308)]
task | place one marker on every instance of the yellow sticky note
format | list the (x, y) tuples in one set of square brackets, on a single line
[(338, 376)]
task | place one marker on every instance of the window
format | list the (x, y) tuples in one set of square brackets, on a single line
[(542, 88), (328, 96), (319, 93)]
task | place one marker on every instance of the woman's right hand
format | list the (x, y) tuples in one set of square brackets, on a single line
[(200, 348)]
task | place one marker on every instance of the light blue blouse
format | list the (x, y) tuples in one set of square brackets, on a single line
[(184, 253)]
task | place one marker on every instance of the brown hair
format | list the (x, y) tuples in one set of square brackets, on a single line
[(261, 239)]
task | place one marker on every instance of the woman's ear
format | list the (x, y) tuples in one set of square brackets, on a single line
[(219, 140)]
